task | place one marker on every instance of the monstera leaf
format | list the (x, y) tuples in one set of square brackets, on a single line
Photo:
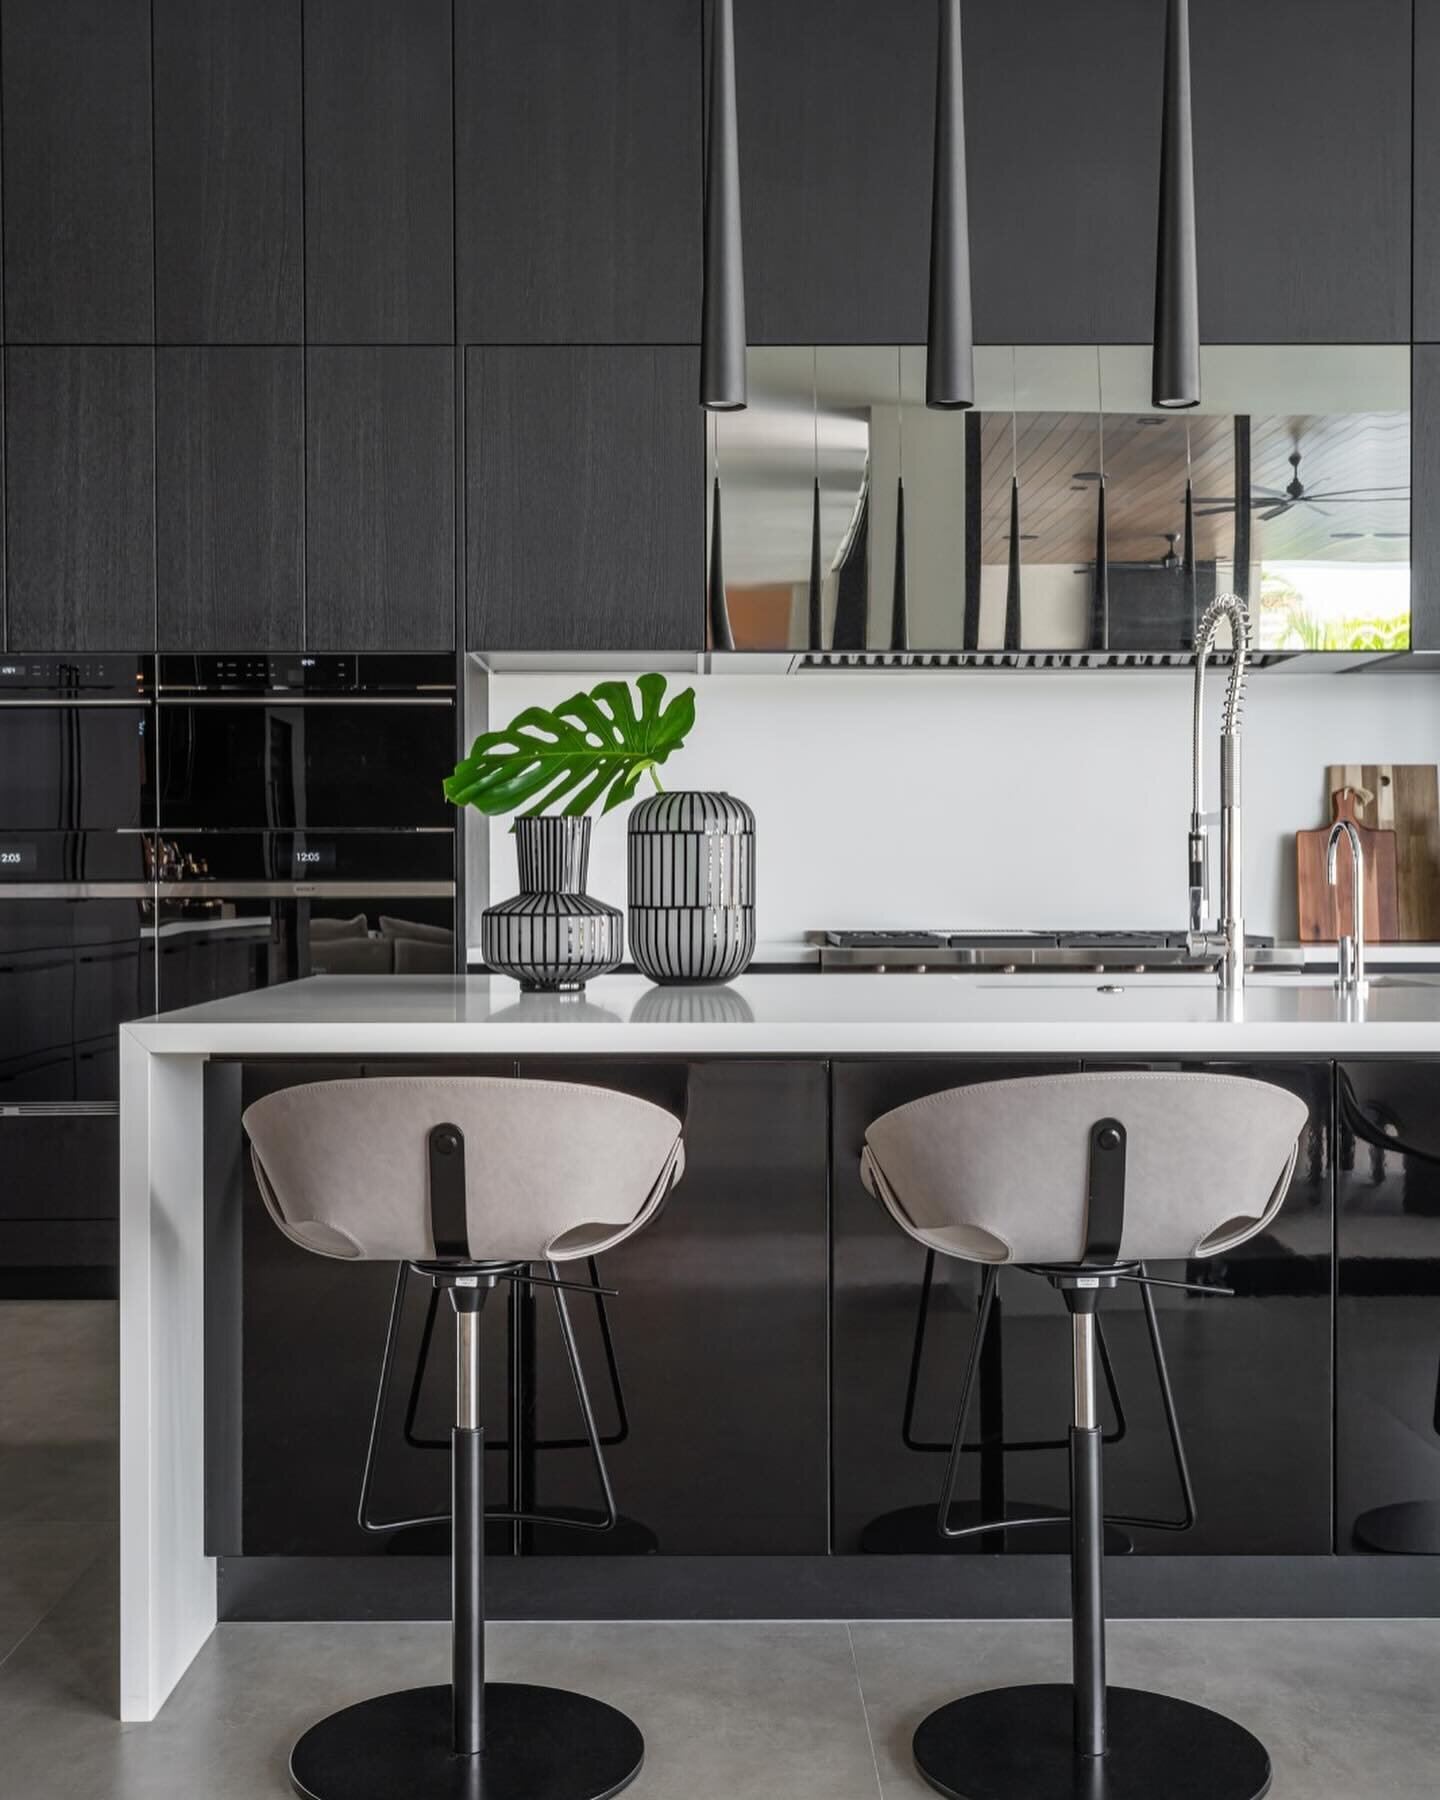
[(590, 745)]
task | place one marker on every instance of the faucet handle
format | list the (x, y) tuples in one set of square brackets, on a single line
[(1199, 874)]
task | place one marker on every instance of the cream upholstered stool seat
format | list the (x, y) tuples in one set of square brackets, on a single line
[(1084, 1179), (470, 1180)]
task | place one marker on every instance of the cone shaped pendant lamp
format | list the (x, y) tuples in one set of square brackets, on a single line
[(950, 361), (1012, 585), (722, 636), (900, 611), (1100, 575), (1175, 370), (722, 319)]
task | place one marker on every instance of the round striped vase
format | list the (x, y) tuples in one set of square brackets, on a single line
[(692, 887), (552, 937)]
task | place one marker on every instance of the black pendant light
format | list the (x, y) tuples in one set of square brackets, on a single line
[(950, 364), (1240, 572), (1012, 584), (974, 527), (900, 603), (1175, 371), (816, 626), (1187, 555), (722, 321), (722, 636), (1100, 575)]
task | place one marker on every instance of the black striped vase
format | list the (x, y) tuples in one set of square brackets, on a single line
[(552, 937), (692, 887)]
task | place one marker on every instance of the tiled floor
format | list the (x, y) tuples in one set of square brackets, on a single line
[(729, 1711)]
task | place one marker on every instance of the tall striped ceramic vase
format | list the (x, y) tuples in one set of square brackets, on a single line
[(552, 937), (692, 886)]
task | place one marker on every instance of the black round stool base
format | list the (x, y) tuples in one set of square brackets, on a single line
[(541, 1743), (1017, 1743), (911, 1531), (1408, 1528)]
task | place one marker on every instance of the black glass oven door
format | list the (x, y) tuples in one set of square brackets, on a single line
[(80, 767)]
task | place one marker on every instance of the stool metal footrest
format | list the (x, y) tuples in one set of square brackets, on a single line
[(1017, 1743), (541, 1743)]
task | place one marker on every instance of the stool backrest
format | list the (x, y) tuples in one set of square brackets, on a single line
[(999, 1172), (552, 1170)]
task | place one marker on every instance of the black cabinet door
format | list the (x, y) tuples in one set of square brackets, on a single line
[(578, 159), (78, 222), (80, 498), (836, 104), (230, 487), (380, 499), (719, 1330), (1251, 1375), (228, 236), (1425, 500), (1387, 1317), (1302, 168), (585, 499), (379, 226)]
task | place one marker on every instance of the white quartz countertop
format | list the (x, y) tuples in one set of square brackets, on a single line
[(808, 1015)]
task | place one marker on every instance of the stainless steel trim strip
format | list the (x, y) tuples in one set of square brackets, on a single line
[(76, 890), (303, 890), (132, 700), (174, 698), (59, 1109)]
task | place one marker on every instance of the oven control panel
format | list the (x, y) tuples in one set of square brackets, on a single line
[(321, 674), (85, 677)]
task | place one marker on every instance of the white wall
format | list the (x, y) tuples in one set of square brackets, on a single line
[(997, 799)]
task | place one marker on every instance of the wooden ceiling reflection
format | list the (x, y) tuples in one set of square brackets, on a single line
[(1058, 457)]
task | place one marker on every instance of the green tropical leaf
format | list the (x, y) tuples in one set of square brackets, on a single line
[(589, 747)]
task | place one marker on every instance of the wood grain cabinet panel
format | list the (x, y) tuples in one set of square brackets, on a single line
[(380, 498), (228, 233), (230, 484), (379, 187), (578, 135), (836, 103), (585, 499), (78, 222), (80, 498)]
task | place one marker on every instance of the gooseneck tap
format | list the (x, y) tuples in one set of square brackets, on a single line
[(1230, 937), (1351, 948)]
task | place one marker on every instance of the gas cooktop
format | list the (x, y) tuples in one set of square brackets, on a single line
[(1013, 952)]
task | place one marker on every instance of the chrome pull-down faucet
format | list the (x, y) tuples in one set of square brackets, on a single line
[(1229, 937), (1351, 948)]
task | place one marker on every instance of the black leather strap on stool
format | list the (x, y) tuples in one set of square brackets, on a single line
[(449, 1226), (1105, 1195)]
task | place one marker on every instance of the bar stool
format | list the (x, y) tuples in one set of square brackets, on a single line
[(470, 1180), (1084, 1179)]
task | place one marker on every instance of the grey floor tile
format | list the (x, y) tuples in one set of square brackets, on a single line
[(729, 1712), (59, 1412), (38, 1563), (1346, 1708)]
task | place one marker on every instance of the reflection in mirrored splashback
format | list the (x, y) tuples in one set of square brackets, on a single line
[(1063, 513)]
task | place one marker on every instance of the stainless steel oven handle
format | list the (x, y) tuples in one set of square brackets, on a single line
[(183, 699), (76, 890), (136, 700), (305, 890), (58, 1109)]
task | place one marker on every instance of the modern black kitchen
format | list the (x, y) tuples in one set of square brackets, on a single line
[(719, 899)]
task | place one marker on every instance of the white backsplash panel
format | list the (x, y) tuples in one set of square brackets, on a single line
[(990, 799)]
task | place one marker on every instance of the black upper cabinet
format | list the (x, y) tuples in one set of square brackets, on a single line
[(78, 221), (230, 486), (1425, 487), (585, 499), (579, 165), (80, 500), (836, 103), (379, 227), (1427, 173), (380, 499), (228, 234), (1302, 168)]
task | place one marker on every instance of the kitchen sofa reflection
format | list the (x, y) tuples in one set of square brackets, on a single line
[(302, 830)]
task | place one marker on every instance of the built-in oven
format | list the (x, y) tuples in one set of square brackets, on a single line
[(77, 951), (303, 829)]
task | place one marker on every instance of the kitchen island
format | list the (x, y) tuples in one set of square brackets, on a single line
[(779, 1074)]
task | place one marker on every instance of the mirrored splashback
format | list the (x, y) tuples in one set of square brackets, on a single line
[(1062, 513)]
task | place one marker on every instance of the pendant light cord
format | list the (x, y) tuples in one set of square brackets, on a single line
[(1100, 402), (900, 409)]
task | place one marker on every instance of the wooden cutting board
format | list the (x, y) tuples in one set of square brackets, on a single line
[(1407, 801), (1325, 911)]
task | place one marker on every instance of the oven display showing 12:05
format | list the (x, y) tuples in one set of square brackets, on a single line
[(307, 860)]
